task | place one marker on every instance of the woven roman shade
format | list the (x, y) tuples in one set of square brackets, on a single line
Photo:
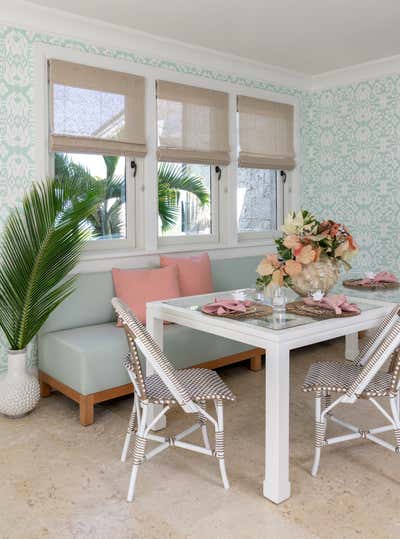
[(192, 124), (95, 110), (265, 134)]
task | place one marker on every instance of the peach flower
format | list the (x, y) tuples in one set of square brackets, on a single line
[(291, 241), (352, 244), (306, 255), (268, 265), (277, 277), (265, 268), (342, 248), (293, 268), (317, 254), (273, 259)]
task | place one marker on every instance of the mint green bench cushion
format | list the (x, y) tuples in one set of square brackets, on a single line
[(90, 303), (231, 273), (88, 359)]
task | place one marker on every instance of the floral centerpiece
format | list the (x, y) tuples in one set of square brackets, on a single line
[(308, 254)]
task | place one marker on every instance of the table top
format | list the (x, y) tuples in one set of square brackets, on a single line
[(290, 330), (274, 321), (391, 295)]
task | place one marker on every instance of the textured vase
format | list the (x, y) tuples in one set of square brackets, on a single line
[(321, 275), (19, 390)]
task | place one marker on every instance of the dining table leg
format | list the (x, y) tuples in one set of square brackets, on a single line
[(351, 346), (155, 327), (276, 486)]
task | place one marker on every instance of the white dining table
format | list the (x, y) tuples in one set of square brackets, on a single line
[(278, 335)]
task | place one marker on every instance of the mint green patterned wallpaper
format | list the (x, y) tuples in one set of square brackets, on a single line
[(351, 157)]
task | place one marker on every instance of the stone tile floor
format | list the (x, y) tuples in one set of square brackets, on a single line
[(61, 480)]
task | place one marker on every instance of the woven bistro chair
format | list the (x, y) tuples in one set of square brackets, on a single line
[(365, 379), (190, 389)]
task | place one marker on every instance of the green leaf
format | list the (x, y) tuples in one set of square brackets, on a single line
[(171, 180), (41, 244)]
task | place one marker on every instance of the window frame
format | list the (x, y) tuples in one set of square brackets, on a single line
[(280, 214), (196, 239), (144, 217), (130, 200)]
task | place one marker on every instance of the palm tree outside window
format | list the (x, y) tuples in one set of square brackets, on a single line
[(183, 194)]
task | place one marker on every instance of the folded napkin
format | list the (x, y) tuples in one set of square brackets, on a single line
[(338, 303), (381, 277), (226, 306)]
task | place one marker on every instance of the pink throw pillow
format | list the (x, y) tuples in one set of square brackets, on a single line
[(136, 287), (194, 273)]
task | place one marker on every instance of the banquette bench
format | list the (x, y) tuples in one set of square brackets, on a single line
[(81, 348)]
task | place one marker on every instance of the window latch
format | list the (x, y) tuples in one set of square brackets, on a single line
[(283, 176), (134, 168), (218, 172)]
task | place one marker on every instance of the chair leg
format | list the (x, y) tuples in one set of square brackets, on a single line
[(396, 417), (326, 400), (219, 442), (138, 453), (131, 429), (320, 429), (203, 422)]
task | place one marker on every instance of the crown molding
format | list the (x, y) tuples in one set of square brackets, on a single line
[(35, 18), (356, 73), (32, 17)]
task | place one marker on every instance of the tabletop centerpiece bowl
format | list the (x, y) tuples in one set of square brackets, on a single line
[(309, 254)]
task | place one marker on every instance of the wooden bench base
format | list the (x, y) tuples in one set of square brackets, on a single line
[(87, 402)]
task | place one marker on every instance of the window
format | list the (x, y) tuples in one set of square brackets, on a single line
[(186, 192), (265, 147), (193, 139), (257, 200), (96, 126), (109, 220), (185, 200)]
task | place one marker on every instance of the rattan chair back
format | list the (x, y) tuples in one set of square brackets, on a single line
[(386, 347), (138, 336)]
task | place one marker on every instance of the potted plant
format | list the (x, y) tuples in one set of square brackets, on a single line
[(308, 254), (41, 243)]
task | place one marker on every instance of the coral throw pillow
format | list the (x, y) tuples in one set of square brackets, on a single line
[(194, 273), (137, 287)]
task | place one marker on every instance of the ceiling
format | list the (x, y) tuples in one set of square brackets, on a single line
[(308, 36)]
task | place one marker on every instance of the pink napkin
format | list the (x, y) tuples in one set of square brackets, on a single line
[(226, 306), (337, 303), (381, 277)]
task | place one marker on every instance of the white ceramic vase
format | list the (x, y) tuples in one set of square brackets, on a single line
[(19, 390)]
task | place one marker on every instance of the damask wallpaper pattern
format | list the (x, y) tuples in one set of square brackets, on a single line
[(351, 157), (350, 149)]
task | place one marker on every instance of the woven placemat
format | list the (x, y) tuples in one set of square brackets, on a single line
[(356, 283), (255, 310), (298, 307)]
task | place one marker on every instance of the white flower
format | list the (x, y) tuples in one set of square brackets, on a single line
[(293, 223)]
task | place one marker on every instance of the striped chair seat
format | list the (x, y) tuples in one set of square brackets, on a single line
[(336, 377), (201, 384)]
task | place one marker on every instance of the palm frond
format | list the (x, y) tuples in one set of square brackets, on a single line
[(172, 180), (41, 244), (172, 176), (111, 162)]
